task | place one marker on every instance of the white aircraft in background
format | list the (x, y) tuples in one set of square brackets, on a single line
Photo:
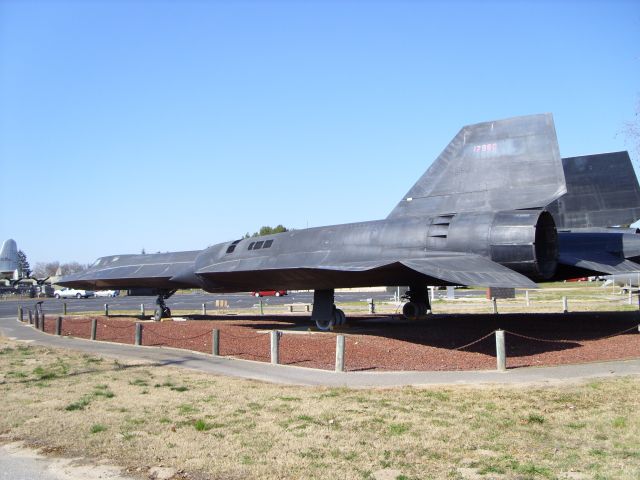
[(9, 261)]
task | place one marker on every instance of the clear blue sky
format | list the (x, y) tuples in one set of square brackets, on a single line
[(177, 125)]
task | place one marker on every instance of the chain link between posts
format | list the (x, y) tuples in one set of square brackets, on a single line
[(147, 330), (475, 341), (548, 340)]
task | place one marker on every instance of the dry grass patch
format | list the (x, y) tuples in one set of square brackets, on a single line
[(140, 415)]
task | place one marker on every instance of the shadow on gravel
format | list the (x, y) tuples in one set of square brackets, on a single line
[(547, 331)]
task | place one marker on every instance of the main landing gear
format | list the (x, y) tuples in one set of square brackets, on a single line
[(162, 311), (325, 313), (418, 305)]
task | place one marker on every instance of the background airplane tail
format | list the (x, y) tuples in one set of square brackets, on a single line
[(602, 191), (9, 261), (501, 165)]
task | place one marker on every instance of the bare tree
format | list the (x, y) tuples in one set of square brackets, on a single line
[(49, 269), (46, 269), (72, 267)]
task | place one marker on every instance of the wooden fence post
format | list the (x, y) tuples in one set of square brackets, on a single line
[(58, 326), (94, 328), (215, 342), (138, 333)]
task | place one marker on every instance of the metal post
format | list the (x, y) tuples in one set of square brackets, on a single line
[(501, 356), (290, 308), (59, 326), (565, 305), (94, 328), (30, 317), (526, 298), (36, 319), (339, 353), (204, 309), (138, 333), (261, 308), (372, 305), (142, 309), (275, 347), (106, 309), (630, 299), (64, 308), (494, 304), (20, 316), (42, 321), (215, 342)]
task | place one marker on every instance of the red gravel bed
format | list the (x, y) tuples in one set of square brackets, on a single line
[(382, 343)]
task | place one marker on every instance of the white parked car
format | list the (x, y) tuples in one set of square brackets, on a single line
[(107, 293), (73, 293)]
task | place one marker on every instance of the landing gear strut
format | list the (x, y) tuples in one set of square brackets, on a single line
[(325, 313), (162, 311), (418, 305)]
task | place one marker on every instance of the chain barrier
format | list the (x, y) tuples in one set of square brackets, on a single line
[(475, 341), (78, 322), (147, 330), (108, 325), (547, 340), (241, 337)]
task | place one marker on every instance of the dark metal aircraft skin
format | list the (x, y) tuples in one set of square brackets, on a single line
[(476, 217), (602, 194), (602, 191)]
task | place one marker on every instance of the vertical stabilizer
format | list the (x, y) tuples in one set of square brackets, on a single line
[(602, 191), (501, 165), (9, 261)]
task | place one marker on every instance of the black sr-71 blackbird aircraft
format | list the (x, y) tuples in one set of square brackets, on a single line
[(476, 217)]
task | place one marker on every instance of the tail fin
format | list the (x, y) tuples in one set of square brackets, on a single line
[(9, 261), (501, 165), (602, 191)]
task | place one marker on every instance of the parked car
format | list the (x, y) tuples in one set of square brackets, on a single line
[(107, 293), (73, 293), (269, 293)]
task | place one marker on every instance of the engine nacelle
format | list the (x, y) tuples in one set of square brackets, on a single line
[(523, 240)]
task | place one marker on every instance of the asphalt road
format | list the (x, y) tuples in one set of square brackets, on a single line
[(193, 301)]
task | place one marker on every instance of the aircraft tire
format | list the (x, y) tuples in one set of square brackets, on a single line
[(325, 325), (341, 318), (413, 310)]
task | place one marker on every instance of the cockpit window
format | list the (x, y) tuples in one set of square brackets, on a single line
[(232, 247)]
